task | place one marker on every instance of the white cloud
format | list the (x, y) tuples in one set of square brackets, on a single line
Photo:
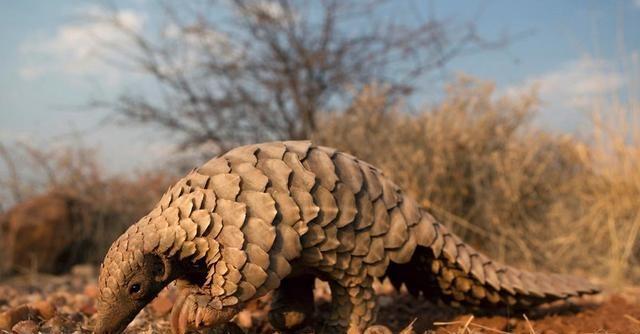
[(576, 84), (74, 48), (270, 9), (12, 135), (31, 71)]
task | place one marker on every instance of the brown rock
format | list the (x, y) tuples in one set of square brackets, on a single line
[(91, 291), (5, 322), (58, 324), (76, 317), (25, 327), (44, 308), (377, 329), (10, 318), (88, 309)]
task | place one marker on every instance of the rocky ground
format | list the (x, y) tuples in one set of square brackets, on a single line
[(65, 304)]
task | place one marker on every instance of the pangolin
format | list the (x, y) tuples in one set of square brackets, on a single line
[(275, 216)]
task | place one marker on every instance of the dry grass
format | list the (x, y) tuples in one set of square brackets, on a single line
[(522, 195), (605, 214)]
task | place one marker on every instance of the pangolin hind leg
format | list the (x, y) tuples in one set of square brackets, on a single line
[(292, 305), (353, 307), (417, 275)]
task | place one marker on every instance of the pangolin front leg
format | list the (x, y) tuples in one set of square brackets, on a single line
[(196, 308), (292, 305)]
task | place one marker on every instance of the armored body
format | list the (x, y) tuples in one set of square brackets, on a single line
[(273, 217)]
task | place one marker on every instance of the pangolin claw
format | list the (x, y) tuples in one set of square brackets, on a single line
[(193, 310), (178, 322)]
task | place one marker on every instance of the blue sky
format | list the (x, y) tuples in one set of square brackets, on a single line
[(572, 50)]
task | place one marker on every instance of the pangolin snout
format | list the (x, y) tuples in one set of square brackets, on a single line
[(111, 321)]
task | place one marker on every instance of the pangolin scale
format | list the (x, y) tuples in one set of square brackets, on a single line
[(273, 216)]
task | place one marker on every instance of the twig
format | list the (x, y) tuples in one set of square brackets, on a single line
[(466, 325), (632, 319), (489, 329), (529, 323), (446, 323), (409, 328), (13, 184)]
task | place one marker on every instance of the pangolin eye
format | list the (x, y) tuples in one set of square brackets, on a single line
[(135, 288)]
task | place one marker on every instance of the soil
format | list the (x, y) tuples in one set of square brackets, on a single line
[(65, 304)]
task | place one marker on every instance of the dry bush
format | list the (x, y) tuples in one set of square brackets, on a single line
[(103, 205), (522, 195), (600, 227)]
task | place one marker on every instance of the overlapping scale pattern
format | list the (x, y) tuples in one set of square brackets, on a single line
[(251, 214)]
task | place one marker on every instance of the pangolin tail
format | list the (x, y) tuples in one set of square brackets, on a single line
[(445, 268)]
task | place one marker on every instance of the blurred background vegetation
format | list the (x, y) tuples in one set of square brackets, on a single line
[(344, 76)]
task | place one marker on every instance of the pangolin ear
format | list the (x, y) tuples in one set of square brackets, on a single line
[(161, 268)]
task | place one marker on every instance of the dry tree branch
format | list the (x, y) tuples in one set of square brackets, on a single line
[(239, 71), (13, 184)]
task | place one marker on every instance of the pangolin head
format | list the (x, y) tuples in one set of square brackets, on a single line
[(129, 280)]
